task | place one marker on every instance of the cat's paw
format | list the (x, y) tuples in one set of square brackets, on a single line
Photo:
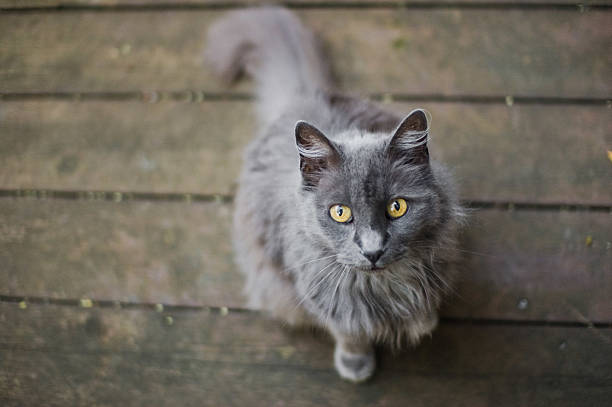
[(356, 367)]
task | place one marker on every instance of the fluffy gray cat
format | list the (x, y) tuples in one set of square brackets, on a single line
[(341, 220)]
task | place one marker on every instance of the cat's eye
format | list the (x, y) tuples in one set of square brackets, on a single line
[(397, 207), (340, 213)]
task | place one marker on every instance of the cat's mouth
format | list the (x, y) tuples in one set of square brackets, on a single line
[(371, 269), (368, 268)]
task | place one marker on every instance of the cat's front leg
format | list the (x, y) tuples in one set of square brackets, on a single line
[(354, 358)]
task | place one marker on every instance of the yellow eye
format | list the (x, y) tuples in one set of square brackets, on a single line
[(397, 208), (340, 213)]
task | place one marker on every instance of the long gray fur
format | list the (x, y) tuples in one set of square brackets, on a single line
[(301, 266)]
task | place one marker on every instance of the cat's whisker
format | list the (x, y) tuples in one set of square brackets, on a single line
[(443, 283), (419, 278), (447, 287), (317, 285), (422, 281), (439, 282), (308, 262), (300, 299), (455, 249)]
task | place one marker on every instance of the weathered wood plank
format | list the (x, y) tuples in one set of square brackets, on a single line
[(177, 253), (522, 264), (520, 153), (131, 251), (229, 3), (429, 51), (168, 147), (54, 355)]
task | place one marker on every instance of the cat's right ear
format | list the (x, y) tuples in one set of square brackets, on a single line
[(317, 153), (409, 142)]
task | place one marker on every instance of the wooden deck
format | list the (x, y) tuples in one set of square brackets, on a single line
[(118, 159)]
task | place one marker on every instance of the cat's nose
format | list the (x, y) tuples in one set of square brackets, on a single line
[(373, 256)]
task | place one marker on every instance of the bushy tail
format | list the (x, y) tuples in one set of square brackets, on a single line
[(271, 45)]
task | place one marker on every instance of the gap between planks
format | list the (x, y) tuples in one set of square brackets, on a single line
[(116, 196), (198, 96), (86, 303)]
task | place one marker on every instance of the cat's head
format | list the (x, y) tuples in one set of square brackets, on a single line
[(374, 196)]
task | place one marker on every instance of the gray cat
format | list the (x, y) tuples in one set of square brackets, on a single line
[(341, 220)]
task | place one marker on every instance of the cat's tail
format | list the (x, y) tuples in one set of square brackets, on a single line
[(271, 45)]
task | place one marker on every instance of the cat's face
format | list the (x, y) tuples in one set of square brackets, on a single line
[(375, 197)]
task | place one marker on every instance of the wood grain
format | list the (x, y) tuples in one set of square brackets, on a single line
[(545, 154), (311, 3), (131, 251), (167, 147), (178, 253), (56, 355), (535, 265), (400, 51)]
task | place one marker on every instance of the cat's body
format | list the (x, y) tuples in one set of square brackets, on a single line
[(367, 279)]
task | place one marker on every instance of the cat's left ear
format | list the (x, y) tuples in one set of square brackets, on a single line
[(409, 142), (317, 152)]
